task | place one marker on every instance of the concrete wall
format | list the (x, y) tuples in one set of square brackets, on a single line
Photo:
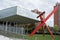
[(17, 11), (57, 16), (8, 12), (26, 13)]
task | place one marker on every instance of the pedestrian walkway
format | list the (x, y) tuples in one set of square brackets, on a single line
[(7, 38)]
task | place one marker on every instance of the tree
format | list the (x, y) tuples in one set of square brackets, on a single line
[(56, 28)]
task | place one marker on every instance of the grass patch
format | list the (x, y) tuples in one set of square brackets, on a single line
[(35, 37), (41, 37)]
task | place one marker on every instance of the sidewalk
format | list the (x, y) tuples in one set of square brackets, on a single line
[(7, 38)]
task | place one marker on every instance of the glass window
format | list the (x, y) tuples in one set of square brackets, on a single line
[(1, 22)]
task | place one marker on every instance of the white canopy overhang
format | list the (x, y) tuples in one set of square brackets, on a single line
[(18, 14)]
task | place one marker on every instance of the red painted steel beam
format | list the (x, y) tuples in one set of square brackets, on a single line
[(41, 14), (40, 25), (41, 22), (48, 29)]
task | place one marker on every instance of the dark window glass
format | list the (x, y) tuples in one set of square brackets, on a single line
[(1, 22)]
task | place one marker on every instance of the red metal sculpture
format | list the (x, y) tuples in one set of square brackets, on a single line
[(43, 22), (40, 15)]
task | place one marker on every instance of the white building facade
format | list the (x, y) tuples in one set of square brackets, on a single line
[(14, 19)]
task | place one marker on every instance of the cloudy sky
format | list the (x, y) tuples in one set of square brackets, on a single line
[(42, 5)]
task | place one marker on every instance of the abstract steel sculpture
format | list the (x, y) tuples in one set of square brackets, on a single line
[(43, 22)]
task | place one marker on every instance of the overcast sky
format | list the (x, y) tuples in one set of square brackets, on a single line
[(42, 5)]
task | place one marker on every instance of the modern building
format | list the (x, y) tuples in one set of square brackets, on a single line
[(16, 19), (57, 16)]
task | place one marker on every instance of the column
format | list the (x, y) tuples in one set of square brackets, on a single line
[(3, 27), (10, 27), (27, 29), (6, 26), (16, 28), (22, 31)]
